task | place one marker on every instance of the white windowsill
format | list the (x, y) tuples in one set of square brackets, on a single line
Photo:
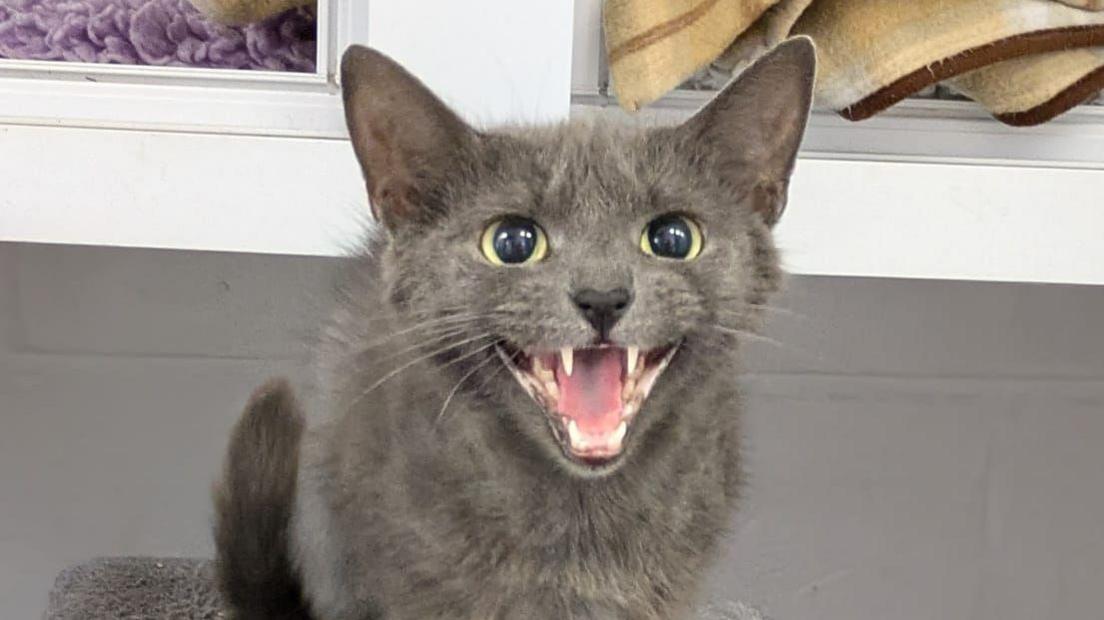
[(915, 130)]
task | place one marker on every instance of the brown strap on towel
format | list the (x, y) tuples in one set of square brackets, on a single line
[(1035, 89), (653, 45)]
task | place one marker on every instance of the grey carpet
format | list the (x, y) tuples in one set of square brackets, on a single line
[(136, 588)]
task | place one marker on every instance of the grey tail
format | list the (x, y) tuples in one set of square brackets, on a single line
[(253, 508)]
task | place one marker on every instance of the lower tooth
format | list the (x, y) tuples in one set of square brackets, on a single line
[(619, 435), (573, 434)]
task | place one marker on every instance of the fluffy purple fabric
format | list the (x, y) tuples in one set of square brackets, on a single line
[(152, 32)]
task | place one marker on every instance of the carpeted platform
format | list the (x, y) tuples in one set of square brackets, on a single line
[(136, 588)]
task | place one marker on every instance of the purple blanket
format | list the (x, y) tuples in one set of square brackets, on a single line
[(152, 32)]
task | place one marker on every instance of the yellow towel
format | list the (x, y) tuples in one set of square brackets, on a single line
[(1035, 89), (245, 11), (653, 45), (772, 27), (873, 53)]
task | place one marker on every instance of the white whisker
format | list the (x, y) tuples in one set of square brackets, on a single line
[(421, 358), (455, 388), (746, 308), (740, 333), (431, 340), (441, 323), (434, 313)]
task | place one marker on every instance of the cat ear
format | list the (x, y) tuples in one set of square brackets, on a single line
[(407, 140), (754, 126)]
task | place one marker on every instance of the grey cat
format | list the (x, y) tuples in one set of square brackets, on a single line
[(532, 375)]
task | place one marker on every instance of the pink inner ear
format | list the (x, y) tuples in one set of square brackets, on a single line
[(391, 198), (768, 199)]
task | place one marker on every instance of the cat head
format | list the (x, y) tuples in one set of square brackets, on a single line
[(578, 277)]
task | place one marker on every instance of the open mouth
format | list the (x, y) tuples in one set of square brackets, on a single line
[(591, 395)]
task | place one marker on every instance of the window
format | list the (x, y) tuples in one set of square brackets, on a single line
[(185, 99), (252, 161)]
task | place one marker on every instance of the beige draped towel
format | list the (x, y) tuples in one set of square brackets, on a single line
[(1026, 61)]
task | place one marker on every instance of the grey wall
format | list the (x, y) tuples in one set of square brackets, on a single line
[(916, 450)]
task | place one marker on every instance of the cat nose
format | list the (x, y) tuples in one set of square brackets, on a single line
[(602, 309)]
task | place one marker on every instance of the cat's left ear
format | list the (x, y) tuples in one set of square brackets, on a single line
[(408, 142), (752, 129)]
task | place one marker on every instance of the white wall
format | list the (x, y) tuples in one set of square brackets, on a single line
[(305, 196)]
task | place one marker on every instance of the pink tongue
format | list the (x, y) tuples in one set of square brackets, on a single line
[(592, 394)]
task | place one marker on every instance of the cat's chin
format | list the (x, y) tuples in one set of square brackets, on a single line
[(591, 395)]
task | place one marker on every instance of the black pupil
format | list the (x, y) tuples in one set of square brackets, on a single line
[(515, 240), (670, 236)]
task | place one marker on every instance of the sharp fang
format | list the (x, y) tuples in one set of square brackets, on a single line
[(619, 434), (573, 433), (631, 355), (567, 354)]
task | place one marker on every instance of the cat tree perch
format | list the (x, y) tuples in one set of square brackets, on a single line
[(141, 588)]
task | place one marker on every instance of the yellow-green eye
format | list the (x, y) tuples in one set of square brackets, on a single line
[(513, 240), (672, 236)]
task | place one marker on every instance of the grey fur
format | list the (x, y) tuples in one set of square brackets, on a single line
[(252, 533), (436, 490)]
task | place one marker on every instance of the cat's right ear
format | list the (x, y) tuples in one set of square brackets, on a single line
[(407, 140), (754, 126)]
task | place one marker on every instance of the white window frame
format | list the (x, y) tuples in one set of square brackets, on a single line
[(72, 94), (914, 130)]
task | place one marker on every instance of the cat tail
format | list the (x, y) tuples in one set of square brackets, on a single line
[(253, 507)]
